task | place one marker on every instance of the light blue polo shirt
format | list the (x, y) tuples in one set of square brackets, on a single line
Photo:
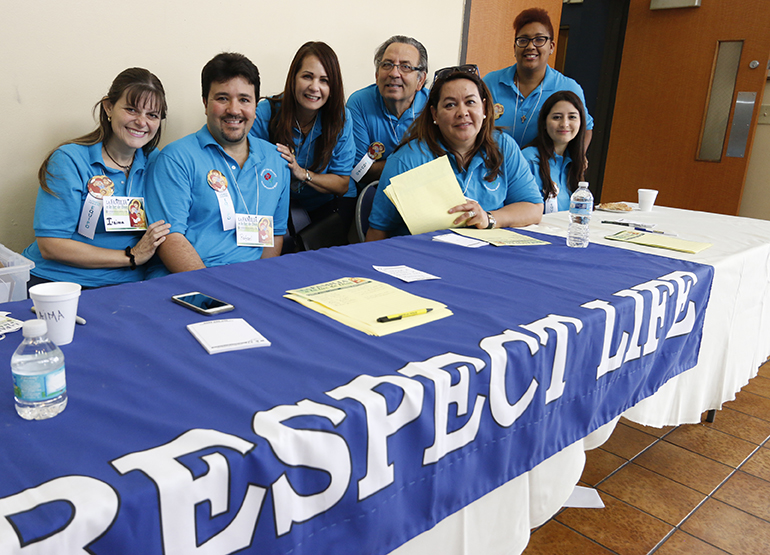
[(341, 162), (71, 167), (559, 167), (373, 122), (514, 182), (514, 106), (178, 192)]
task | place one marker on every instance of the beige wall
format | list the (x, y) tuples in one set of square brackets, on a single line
[(59, 58), (755, 202)]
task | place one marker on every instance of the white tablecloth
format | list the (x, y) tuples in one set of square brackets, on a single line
[(736, 341)]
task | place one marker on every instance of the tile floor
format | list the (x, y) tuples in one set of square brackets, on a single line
[(698, 489)]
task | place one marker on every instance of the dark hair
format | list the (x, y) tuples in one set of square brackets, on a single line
[(228, 65), (140, 87), (533, 15), (544, 144), (402, 39), (332, 114), (425, 130)]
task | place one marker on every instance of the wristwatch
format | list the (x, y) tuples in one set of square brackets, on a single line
[(492, 220)]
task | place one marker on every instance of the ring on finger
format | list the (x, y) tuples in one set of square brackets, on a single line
[(471, 214)]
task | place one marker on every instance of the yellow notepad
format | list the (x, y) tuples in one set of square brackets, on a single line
[(658, 240), (359, 302), (424, 195), (499, 237)]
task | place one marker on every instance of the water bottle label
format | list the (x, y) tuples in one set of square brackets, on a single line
[(40, 387), (583, 208)]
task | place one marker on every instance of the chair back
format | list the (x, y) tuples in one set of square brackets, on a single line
[(363, 209)]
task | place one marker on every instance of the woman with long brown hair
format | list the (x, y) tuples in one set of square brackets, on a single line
[(76, 240), (489, 167), (556, 155), (312, 130)]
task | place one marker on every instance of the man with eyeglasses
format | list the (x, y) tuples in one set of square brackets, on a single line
[(520, 90), (382, 112)]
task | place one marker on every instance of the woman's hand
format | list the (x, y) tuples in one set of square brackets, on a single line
[(296, 171), (471, 213), (321, 182), (152, 238)]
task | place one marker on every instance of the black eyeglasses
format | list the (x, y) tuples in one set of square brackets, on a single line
[(404, 69), (538, 41), (447, 71)]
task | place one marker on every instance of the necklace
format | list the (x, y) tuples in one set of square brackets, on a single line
[(525, 117), (301, 127), (121, 166)]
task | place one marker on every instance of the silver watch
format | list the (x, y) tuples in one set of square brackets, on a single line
[(491, 219)]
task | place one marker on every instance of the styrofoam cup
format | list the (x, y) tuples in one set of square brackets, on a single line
[(57, 304), (647, 199)]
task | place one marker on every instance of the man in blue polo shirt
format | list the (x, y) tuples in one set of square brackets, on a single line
[(225, 194), (382, 112)]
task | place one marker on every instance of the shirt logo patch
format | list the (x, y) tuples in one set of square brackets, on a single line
[(269, 179), (499, 110)]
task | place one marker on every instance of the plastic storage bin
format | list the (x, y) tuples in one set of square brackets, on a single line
[(14, 275)]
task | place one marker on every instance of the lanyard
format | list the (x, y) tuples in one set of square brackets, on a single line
[(240, 194)]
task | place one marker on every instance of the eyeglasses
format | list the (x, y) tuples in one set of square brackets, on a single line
[(538, 41), (473, 69), (404, 69)]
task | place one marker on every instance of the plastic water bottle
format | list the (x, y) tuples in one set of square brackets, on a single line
[(39, 382), (581, 204)]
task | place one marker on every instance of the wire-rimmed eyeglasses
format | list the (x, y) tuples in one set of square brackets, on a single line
[(404, 69)]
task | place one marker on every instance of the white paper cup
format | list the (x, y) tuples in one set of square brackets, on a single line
[(57, 304), (647, 199)]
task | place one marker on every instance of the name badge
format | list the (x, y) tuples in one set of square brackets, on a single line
[(124, 214), (99, 187), (218, 182), (254, 231), (551, 205), (373, 153)]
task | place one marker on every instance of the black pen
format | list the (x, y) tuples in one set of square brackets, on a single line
[(394, 317)]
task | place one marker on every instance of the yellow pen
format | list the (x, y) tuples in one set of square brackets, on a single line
[(394, 317)]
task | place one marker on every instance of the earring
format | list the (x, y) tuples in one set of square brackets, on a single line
[(434, 122), (109, 119)]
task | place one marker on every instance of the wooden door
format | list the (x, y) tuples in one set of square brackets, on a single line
[(490, 31), (662, 94)]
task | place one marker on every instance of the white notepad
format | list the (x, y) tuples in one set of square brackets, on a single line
[(229, 334)]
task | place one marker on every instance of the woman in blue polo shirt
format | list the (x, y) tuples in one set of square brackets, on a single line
[(556, 155), (490, 170), (313, 132), (73, 237)]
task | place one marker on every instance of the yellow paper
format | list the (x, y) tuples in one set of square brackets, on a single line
[(499, 237), (424, 195), (358, 302), (658, 240)]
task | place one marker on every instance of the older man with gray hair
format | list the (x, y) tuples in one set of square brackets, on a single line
[(382, 112)]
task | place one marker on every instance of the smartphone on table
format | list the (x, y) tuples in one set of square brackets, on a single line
[(202, 303)]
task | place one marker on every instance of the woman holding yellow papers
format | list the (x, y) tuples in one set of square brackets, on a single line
[(492, 174)]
